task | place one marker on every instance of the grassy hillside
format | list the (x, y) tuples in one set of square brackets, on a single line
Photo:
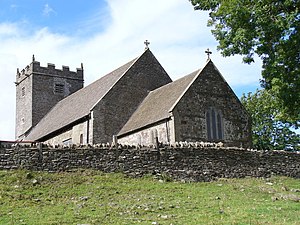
[(92, 197)]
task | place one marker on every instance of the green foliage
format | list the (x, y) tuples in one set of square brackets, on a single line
[(269, 29), (268, 131), (92, 197)]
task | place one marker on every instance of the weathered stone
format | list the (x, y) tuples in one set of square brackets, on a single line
[(35, 92), (198, 164)]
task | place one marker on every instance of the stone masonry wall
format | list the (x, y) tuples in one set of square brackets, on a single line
[(210, 90), (148, 136), (188, 163), (116, 107), (36, 95)]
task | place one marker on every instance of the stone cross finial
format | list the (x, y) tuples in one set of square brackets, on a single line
[(147, 43), (208, 53), (33, 58)]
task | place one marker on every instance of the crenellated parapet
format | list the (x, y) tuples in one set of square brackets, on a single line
[(38, 89), (34, 68)]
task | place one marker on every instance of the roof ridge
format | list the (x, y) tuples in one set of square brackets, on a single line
[(139, 120), (197, 72), (38, 131), (132, 62), (174, 82), (193, 80), (82, 89)]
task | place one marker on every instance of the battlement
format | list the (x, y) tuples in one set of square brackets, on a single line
[(35, 68), (39, 88)]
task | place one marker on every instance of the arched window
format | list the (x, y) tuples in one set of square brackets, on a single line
[(214, 124), (81, 139)]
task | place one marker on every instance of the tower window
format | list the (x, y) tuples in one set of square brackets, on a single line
[(214, 124), (59, 88)]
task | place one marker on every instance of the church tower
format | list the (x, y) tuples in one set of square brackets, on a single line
[(38, 89)]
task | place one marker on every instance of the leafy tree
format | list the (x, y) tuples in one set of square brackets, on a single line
[(268, 131), (270, 29)]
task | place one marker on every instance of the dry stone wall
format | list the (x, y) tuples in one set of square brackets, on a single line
[(181, 163)]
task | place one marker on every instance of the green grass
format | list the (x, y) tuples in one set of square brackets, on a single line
[(92, 197)]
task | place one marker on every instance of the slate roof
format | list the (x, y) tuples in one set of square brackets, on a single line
[(158, 104), (78, 105)]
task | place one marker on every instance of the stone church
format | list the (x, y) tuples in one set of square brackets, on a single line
[(137, 103)]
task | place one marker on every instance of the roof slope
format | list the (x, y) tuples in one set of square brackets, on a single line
[(158, 103), (77, 105)]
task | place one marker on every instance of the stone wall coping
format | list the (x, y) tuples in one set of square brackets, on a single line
[(161, 147)]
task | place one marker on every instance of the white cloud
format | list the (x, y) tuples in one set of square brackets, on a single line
[(47, 11), (8, 30), (177, 33)]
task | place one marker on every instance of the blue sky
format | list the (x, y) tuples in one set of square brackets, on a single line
[(66, 17), (103, 35)]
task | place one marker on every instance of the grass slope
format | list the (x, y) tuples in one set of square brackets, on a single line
[(92, 197)]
